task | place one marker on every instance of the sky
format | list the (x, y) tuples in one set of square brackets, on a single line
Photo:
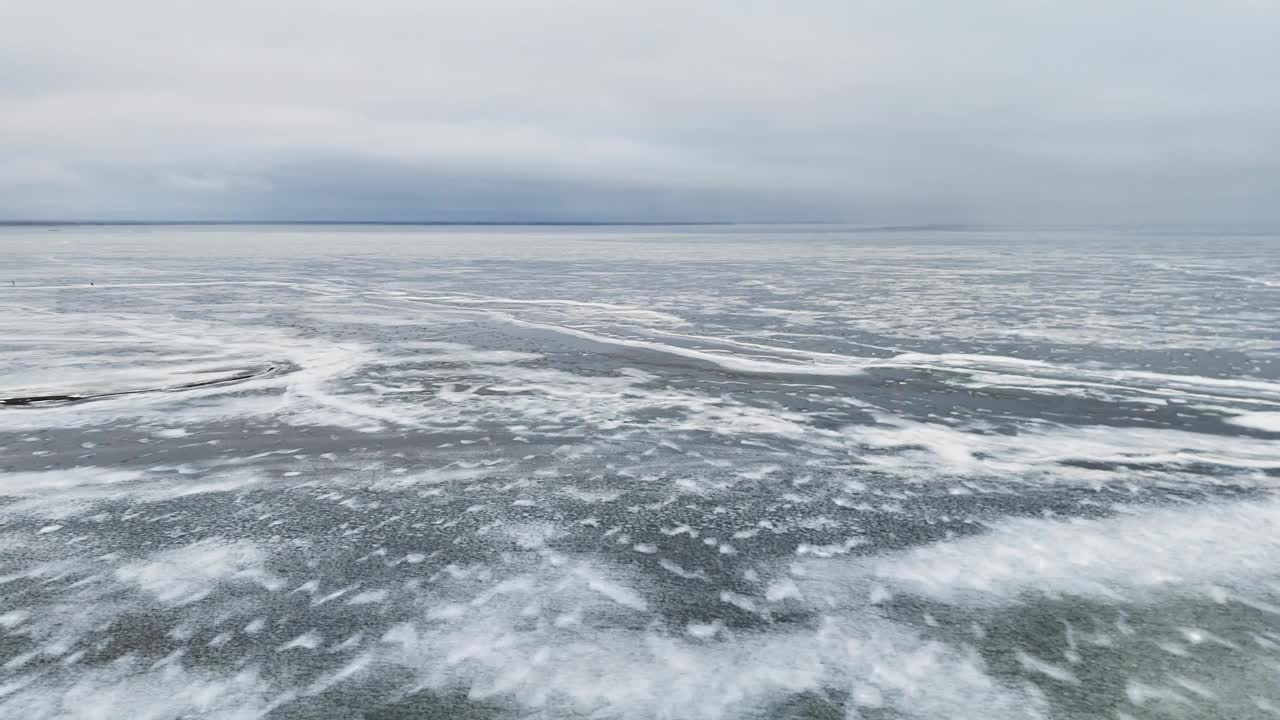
[(875, 111)]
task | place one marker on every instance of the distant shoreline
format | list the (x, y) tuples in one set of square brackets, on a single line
[(458, 223)]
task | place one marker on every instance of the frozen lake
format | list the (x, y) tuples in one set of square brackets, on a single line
[(638, 472)]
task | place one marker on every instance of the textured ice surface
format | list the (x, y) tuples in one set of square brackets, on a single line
[(638, 473)]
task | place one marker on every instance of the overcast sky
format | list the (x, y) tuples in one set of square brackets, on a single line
[(869, 111)]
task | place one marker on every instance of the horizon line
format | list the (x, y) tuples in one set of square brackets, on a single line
[(1234, 227)]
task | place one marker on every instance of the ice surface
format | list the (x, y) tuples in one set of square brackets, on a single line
[(638, 473)]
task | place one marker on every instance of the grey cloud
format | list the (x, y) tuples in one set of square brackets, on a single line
[(912, 111)]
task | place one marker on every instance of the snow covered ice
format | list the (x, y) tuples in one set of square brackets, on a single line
[(702, 472)]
